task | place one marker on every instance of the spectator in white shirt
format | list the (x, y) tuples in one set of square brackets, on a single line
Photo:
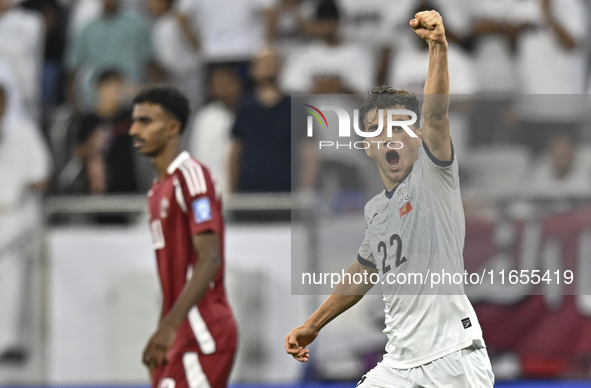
[(329, 64), (556, 174), (174, 52), (24, 173), (22, 36), (210, 132), (552, 67), (225, 30)]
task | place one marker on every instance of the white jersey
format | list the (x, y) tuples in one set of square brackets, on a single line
[(412, 232)]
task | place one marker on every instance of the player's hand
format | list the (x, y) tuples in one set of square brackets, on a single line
[(297, 340), (161, 341), (429, 26)]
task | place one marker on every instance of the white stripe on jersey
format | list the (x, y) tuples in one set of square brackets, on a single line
[(178, 194), (157, 234), (216, 187), (196, 378), (200, 176), (191, 184), (204, 337), (193, 173)]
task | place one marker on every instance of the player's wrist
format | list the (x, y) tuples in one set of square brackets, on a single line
[(312, 325), (438, 45), (171, 322)]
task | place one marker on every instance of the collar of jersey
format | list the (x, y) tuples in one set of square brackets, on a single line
[(390, 194), (177, 162)]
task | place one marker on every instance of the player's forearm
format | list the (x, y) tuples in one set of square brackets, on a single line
[(345, 296), (203, 273), (332, 307), (437, 84)]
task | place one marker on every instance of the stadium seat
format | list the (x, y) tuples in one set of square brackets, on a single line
[(494, 172)]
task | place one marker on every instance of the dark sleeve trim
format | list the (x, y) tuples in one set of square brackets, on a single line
[(367, 263), (437, 162)]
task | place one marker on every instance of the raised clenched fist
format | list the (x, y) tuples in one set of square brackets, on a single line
[(429, 26)]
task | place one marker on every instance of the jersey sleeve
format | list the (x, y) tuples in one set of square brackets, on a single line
[(201, 198), (438, 174)]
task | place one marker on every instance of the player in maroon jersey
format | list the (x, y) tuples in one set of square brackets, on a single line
[(195, 342)]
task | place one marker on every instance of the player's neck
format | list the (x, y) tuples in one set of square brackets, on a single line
[(165, 158)]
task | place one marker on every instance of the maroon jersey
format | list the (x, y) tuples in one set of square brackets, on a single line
[(185, 203)]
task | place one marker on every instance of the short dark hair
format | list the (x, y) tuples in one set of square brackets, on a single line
[(108, 75), (327, 10), (170, 99), (382, 97)]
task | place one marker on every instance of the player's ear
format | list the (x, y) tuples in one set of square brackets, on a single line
[(419, 133), (174, 128)]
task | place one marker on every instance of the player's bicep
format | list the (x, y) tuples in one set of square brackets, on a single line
[(436, 136), (350, 287), (207, 246)]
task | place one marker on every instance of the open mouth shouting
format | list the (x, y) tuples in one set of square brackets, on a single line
[(393, 159)]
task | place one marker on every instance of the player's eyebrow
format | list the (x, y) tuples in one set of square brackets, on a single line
[(141, 119)]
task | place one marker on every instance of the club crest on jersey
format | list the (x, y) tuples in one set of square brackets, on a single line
[(164, 206), (407, 208), (202, 210), (403, 195)]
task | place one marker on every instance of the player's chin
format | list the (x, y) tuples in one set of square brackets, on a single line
[(146, 151)]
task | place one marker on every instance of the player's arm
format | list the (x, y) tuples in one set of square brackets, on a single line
[(207, 247), (429, 26), (344, 297)]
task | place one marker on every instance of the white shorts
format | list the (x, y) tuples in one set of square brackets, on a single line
[(466, 368)]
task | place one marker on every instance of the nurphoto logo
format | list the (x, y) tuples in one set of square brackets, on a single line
[(344, 126)]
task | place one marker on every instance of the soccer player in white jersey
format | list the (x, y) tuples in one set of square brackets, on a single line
[(415, 226)]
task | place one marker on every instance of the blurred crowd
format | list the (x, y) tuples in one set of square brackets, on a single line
[(69, 68), (518, 70)]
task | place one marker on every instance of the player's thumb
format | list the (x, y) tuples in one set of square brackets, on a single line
[(292, 341), (414, 23)]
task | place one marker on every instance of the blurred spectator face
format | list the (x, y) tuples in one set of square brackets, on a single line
[(266, 66), (225, 85), (110, 6), (327, 29), (158, 7), (560, 151), (326, 23), (96, 143), (110, 90)]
